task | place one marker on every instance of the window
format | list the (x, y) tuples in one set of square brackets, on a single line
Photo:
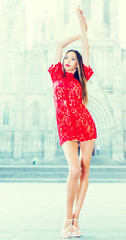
[(7, 76), (10, 30), (35, 77), (6, 115), (106, 11), (36, 114)]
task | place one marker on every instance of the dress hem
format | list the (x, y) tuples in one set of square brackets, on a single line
[(77, 140)]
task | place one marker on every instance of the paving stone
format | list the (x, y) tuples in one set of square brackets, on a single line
[(37, 211)]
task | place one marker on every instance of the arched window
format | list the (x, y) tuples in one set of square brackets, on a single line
[(36, 115), (86, 7), (43, 28), (6, 115), (35, 77), (7, 76), (10, 30), (106, 17)]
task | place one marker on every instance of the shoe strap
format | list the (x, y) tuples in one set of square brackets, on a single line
[(76, 219), (77, 230), (66, 229)]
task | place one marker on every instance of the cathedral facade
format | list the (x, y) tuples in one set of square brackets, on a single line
[(27, 113)]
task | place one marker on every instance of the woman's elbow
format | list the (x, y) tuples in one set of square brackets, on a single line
[(86, 47), (60, 44)]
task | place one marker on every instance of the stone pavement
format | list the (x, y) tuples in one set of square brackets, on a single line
[(36, 211), (58, 174)]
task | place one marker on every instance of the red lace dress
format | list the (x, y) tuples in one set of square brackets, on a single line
[(74, 121)]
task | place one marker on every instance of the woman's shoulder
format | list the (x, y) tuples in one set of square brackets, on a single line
[(88, 71), (57, 65), (56, 71)]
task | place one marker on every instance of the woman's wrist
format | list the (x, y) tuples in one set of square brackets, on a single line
[(78, 36), (83, 24)]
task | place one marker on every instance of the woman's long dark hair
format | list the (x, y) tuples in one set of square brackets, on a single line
[(80, 76)]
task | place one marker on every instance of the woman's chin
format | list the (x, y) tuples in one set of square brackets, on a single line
[(67, 69)]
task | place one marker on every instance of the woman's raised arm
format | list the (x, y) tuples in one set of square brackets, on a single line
[(84, 38), (61, 45)]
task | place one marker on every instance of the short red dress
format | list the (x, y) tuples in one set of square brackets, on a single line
[(74, 121)]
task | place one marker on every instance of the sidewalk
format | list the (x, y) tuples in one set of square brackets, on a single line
[(36, 211)]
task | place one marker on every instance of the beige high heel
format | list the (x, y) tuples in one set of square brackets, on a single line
[(66, 233), (76, 232)]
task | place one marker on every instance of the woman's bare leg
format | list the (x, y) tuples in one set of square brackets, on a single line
[(71, 153), (86, 149)]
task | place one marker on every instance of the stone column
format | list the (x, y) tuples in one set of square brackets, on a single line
[(50, 134), (19, 111), (118, 154), (18, 132), (49, 144)]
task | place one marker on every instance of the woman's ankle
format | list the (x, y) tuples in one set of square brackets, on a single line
[(69, 216), (76, 216)]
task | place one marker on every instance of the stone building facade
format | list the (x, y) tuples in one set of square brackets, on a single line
[(28, 123)]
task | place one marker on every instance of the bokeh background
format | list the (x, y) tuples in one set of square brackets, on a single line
[(29, 31)]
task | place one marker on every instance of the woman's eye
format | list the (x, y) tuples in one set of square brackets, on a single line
[(66, 57), (73, 58)]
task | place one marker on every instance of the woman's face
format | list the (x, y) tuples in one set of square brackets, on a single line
[(70, 62)]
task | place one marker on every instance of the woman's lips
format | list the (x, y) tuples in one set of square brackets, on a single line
[(67, 65)]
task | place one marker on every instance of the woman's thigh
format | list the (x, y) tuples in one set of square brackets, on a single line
[(70, 149), (86, 149)]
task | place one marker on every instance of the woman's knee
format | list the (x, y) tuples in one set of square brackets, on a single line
[(85, 169), (74, 172)]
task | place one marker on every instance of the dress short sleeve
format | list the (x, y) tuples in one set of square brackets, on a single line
[(88, 72), (56, 71)]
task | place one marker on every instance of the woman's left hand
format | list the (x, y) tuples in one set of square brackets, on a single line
[(81, 16)]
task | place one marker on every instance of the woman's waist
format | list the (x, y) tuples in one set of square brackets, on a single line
[(75, 102), (72, 104), (69, 101)]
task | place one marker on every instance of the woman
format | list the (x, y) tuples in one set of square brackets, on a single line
[(74, 122)]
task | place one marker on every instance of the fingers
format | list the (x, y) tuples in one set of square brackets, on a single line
[(79, 11), (81, 16)]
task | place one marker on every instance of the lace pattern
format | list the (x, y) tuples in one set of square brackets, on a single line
[(74, 121), (88, 72)]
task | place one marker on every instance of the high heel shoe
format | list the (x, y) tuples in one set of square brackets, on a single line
[(66, 233), (76, 232)]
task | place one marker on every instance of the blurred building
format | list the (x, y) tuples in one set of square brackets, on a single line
[(27, 112)]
